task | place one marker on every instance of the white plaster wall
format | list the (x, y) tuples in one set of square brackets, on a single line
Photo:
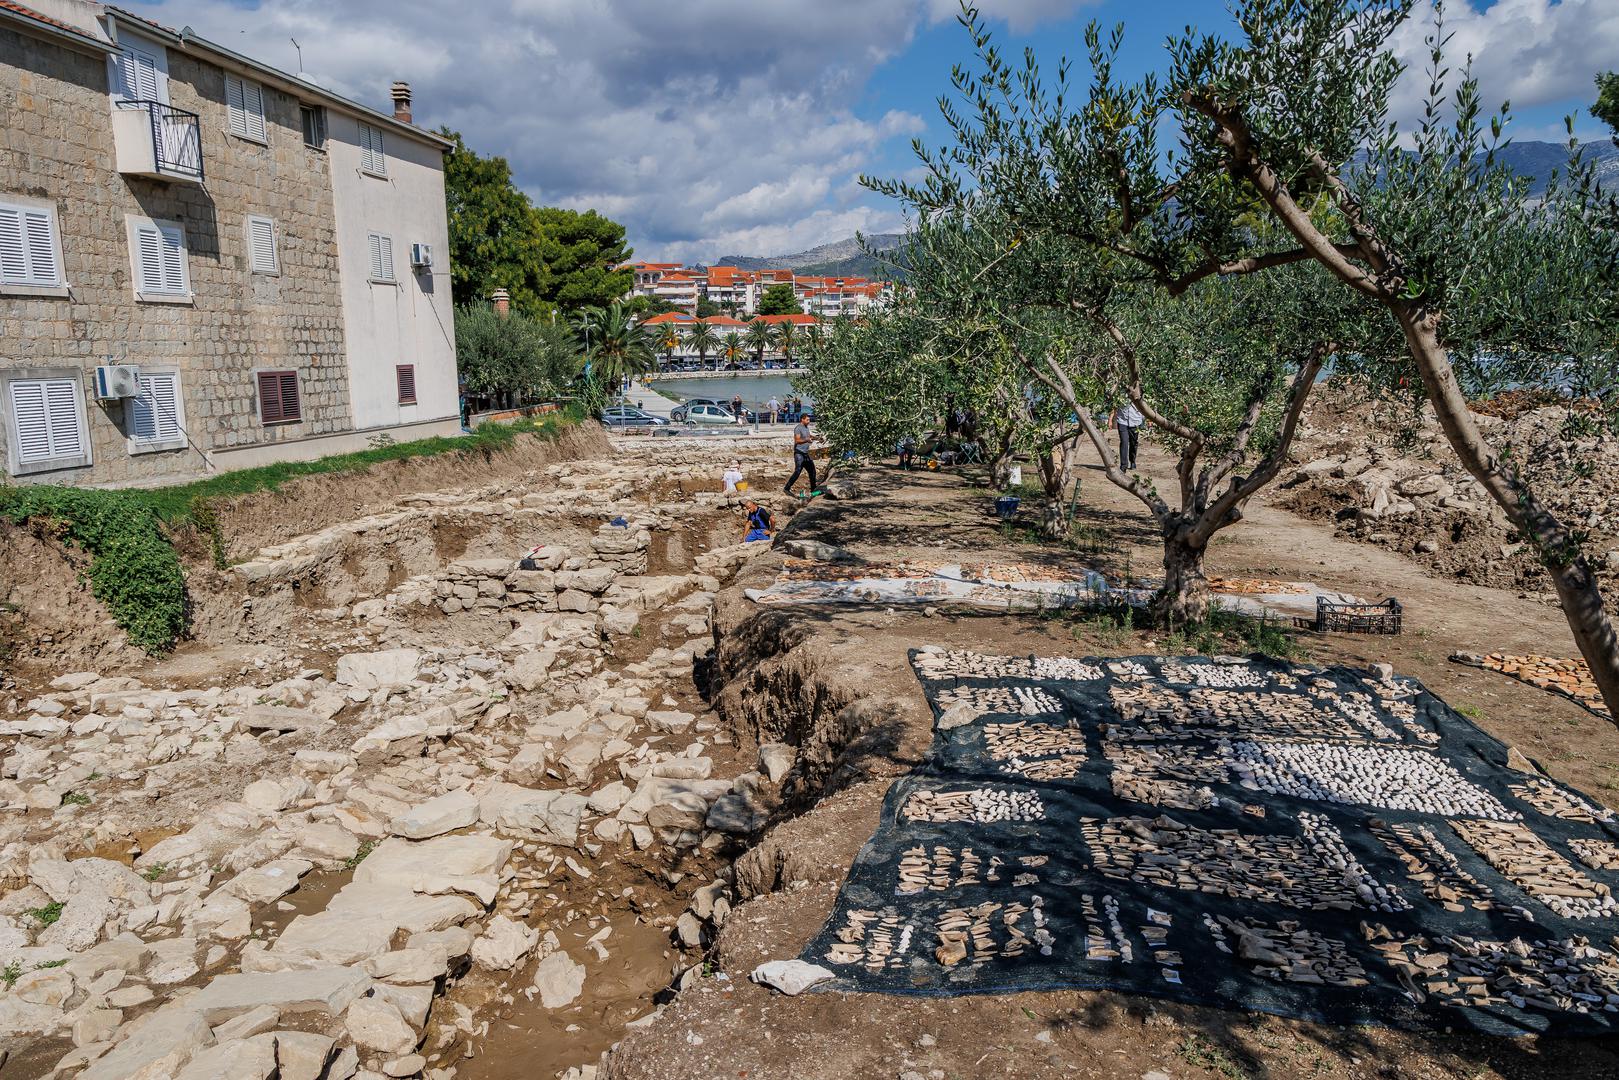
[(408, 323)]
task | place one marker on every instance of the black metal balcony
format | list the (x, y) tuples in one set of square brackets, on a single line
[(157, 140)]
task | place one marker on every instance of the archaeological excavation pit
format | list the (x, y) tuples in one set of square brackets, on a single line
[(417, 810)]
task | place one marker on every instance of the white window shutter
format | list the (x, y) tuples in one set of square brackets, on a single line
[(30, 419), (372, 159), (155, 413), (13, 246), (62, 407), (149, 256), (41, 248), (174, 260), (382, 258), (261, 248), (244, 105), (253, 103), (137, 74), (233, 105), (28, 247), (165, 392)]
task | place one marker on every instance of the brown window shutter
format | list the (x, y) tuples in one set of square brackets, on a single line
[(406, 375), (291, 406), (278, 397), (269, 397)]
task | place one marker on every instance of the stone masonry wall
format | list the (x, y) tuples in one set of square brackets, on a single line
[(56, 142)]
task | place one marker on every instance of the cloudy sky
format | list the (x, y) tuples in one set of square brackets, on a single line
[(714, 127)]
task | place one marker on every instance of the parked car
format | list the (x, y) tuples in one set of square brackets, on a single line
[(708, 414), (678, 413), (629, 416)]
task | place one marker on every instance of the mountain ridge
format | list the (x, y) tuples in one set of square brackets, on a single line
[(810, 260)]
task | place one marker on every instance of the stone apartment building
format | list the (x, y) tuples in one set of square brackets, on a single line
[(240, 237)]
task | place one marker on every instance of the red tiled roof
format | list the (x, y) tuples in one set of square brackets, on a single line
[(723, 320), (37, 16), (797, 320), (670, 317), (142, 18)]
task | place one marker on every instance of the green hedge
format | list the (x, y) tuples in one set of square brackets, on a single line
[(134, 570)]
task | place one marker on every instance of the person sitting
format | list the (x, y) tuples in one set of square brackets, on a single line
[(761, 522), (732, 477), (907, 450)]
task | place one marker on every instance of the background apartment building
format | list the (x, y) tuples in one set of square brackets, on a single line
[(237, 236), (740, 291)]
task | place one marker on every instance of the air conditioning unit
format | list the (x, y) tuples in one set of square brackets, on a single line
[(421, 256), (118, 381)]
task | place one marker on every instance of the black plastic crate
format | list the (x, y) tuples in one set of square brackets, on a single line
[(1380, 618)]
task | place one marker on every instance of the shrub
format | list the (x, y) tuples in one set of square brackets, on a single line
[(134, 570)]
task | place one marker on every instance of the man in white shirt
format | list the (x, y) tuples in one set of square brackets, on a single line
[(773, 407), (1127, 418)]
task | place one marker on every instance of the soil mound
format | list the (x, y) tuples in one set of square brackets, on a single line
[(1380, 468)]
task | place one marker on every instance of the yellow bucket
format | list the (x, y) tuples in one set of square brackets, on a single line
[(742, 485)]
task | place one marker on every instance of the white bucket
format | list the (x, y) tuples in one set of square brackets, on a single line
[(1014, 476)]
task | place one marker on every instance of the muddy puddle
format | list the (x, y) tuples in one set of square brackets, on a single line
[(526, 1041)]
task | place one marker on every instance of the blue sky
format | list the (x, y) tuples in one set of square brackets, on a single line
[(714, 127)]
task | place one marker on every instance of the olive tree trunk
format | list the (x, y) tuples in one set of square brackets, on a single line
[(1370, 267), (1185, 596), (1559, 551)]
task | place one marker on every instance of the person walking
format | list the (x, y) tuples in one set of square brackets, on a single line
[(774, 407), (803, 438), (1127, 418), (736, 407)]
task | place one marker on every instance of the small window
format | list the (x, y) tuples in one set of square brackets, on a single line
[(155, 419), (47, 424), (278, 398), (314, 121), (382, 258), (262, 257), (244, 104), (372, 159), (405, 376), (160, 260), (29, 248)]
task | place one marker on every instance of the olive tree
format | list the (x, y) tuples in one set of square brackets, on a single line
[(1288, 124), (1221, 373)]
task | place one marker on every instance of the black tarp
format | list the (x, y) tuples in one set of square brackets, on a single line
[(1035, 901)]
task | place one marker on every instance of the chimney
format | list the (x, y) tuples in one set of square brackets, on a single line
[(502, 301), (402, 102)]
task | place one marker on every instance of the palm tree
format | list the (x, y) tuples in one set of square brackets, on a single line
[(786, 340), (618, 347), (814, 340), (704, 340), (669, 341), (733, 348), (759, 338)]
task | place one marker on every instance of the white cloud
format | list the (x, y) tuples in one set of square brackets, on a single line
[(1528, 52), (706, 127), (1019, 15)]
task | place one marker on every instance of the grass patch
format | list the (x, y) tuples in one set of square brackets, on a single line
[(46, 915), (359, 856), (1232, 633), (11, 973), (75, 798), (134, 569), (155, 871), (1200, 1053)]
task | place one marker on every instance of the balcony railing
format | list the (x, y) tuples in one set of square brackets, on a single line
[(155, 139)]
